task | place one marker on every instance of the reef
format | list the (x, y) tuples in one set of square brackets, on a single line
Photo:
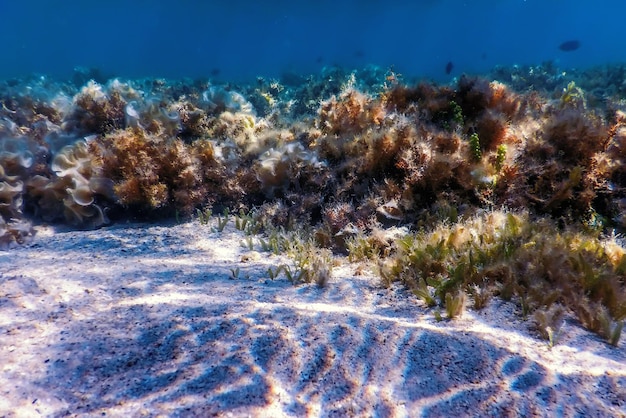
[(347, 155), (361, 148)]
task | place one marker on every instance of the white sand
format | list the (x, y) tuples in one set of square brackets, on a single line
[(145, 320)]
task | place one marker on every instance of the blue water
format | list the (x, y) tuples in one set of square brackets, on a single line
[(241, 39)]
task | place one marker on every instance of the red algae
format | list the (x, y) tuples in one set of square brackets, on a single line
[(168, 147)]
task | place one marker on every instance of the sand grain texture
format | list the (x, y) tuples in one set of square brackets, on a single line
[(142, 320)]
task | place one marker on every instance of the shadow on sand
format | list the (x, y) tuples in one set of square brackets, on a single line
[(176, 345), (203, 360)]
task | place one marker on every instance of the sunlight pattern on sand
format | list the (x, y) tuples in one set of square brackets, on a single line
[(146, 332)]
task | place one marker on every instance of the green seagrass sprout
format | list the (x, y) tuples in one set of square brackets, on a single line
[(457, 112), (475, 147), (500, 156)]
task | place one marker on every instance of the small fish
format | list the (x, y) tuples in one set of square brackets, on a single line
[(571, 45), (449, 67)]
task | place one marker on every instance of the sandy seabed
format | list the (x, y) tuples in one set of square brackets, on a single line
[(148, 320)]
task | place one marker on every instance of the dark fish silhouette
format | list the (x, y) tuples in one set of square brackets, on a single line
[(449, 67), (571, 45)]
